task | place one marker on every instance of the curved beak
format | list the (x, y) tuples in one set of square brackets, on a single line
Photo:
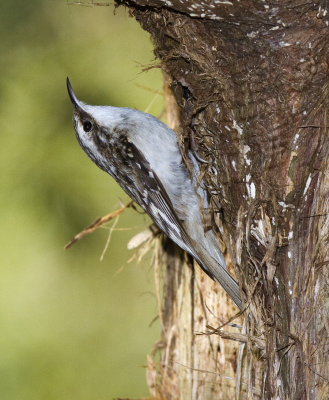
[(73, 97)]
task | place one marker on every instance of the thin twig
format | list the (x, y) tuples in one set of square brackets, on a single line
[(204, 371), (238, 337), (98, 223), (311, 126), (109, 237), (90, 4)]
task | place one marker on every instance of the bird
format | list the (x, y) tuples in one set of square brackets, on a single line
[(143, 155)]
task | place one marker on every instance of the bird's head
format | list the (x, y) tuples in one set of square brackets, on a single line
[(95, 128)]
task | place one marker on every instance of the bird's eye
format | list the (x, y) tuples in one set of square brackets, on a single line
[(87, 125)]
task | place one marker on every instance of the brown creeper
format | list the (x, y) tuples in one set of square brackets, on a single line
[(142, 155)]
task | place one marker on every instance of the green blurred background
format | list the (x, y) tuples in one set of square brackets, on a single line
[(72, 327)]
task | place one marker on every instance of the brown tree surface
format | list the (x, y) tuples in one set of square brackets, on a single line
[(250, 82)]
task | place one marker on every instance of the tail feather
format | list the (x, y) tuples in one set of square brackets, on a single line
[(230, 285), (222, 276)]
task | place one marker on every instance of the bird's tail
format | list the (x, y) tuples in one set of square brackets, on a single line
[(222, 276), (229, 284)]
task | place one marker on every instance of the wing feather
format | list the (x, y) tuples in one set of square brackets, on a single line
[(151, 195), (144, 186)]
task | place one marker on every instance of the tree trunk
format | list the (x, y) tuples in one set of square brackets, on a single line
[(250, 82)]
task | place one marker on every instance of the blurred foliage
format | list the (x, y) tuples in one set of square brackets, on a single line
[(72, 327)]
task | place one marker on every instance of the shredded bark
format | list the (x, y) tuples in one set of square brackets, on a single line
[(250, 81)]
